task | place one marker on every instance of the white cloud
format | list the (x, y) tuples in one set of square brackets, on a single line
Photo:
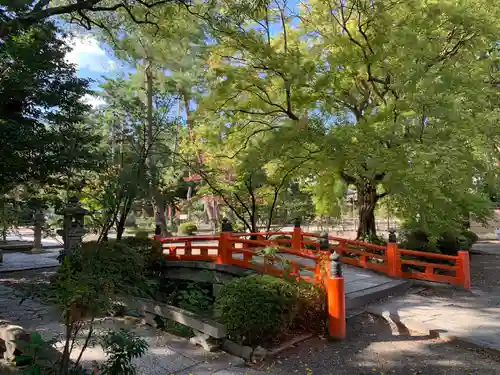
[(94, 101), (86, 53)]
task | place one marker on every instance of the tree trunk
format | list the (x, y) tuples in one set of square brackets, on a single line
[(158, 199), (120, 225), (367, 201)]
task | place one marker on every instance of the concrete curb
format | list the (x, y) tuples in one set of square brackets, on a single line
[(45, 268)]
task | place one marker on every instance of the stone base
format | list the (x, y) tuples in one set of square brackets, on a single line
[(205, 341), (246, 352), (149, 319)]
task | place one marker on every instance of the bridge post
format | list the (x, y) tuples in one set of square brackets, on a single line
[(335, 298), (463, 269), (296, 235), (224, 251), (393, 258)]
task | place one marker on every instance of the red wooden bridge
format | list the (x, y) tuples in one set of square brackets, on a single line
[(300, 255)]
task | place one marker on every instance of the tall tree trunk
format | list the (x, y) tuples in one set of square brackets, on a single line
[(367, 201), (120, 224), (158, 199)]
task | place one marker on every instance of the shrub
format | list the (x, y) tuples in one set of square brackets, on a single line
[(151, 250), (114, 266), (283, 237), (256, 308), (188, 228), (415, 240), (309, 308), (142, 234), (471, 237), (448, 243), (121, 347)]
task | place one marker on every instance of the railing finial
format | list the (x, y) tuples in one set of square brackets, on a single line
[(335, 265)]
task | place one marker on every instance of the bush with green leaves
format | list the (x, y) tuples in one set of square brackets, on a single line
[(255, 309), (150, 249), (141, 234), (40, 357), (448, 243), (195, 297), (283, 237), (121, 347), (188, 228)]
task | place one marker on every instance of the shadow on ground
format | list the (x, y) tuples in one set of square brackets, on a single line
[(371, 348)]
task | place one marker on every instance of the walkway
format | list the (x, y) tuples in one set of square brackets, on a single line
[(167, 354), (472, 317)]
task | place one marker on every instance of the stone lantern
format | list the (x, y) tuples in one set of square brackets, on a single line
[(74, 226)]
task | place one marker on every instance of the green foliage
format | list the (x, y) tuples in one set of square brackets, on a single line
[(141, 234), (188, 228), (121, 347), (150, 249), (283, 237), (448, 243), (195, 297), (470, 238), (177, 329), (41, 112), (89, 278), (257, 308)]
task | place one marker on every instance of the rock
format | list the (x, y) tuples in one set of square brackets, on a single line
[(150, 319), (11, 334), (238, 350), (259, 354), (205, 341)]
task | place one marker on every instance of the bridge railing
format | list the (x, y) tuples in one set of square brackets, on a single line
[(402, 263), (389, 259)]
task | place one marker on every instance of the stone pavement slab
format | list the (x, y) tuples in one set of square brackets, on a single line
[(17, 261), (473, 319), (167, 354)]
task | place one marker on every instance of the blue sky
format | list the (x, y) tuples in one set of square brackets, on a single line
[(94, 62)]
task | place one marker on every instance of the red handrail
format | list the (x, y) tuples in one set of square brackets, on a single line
[(387, 259)]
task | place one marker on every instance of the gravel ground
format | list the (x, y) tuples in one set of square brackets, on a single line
[(372, 349)]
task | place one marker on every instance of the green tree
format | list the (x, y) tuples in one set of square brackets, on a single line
[(42, 133), (125, 122), (397, 91), (18, 16)]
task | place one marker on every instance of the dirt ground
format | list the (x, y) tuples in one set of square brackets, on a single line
[(371, 348)]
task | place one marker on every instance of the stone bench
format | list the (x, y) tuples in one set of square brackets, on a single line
[(208, 333)]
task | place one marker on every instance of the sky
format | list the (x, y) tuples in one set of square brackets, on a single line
[(92, 61)]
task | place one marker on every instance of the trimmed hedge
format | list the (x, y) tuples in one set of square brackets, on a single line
[(255, 309), (448, 243), (188, 228)]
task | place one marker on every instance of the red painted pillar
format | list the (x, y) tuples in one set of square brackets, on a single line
[(224, 254), (335, 299), (463, 269), (393, 260), (296, 236), (336, 307)]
